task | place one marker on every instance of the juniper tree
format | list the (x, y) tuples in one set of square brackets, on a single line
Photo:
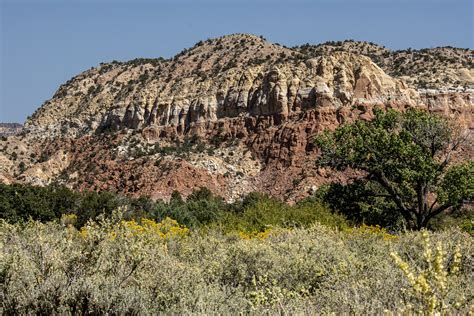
[(408, 159)]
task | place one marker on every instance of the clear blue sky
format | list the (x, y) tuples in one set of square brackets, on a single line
[(44, 43)]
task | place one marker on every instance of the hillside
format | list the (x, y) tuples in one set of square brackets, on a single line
[(225, 77), (235, 114), (432, 68)]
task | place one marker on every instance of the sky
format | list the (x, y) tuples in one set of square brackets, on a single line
[(44, 43)]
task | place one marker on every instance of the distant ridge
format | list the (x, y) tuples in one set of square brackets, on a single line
[(8, 129)]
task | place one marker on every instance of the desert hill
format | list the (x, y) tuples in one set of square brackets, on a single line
[(235, 114)]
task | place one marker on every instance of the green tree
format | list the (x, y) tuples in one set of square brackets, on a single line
[(408, 157), (200, 208), (93, 204), (362, 201)]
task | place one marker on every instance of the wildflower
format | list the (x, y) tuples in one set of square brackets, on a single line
[(439, 271), (404, 267), (456, 260), (426, 246), (68, 219), (429, 288)]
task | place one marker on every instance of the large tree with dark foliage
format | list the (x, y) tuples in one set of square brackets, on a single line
[(407, 159)]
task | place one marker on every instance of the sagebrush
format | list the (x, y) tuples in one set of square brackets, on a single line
[(130, 267)]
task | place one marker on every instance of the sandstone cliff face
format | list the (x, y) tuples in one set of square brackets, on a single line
[(235, 114), (239, 75), (439, 68)]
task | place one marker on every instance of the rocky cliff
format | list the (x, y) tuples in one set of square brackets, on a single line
[(244, 75), (235, 114), (446, 68)]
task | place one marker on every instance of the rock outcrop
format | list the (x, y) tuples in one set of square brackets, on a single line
[(435, 68)]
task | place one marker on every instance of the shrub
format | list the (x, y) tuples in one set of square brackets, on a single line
[(429, 281), (22, 167), (18, 202), (200, 208), (118, 266), (258, 212)]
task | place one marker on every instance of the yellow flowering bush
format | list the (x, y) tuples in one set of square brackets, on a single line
[(166, 229), (374, 230), (260, 235), (68, 219), (429, 281)]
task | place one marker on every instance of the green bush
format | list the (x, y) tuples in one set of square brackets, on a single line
[(20, 202), (361, 203), (258, 212), (201, 208), (17, 203)]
